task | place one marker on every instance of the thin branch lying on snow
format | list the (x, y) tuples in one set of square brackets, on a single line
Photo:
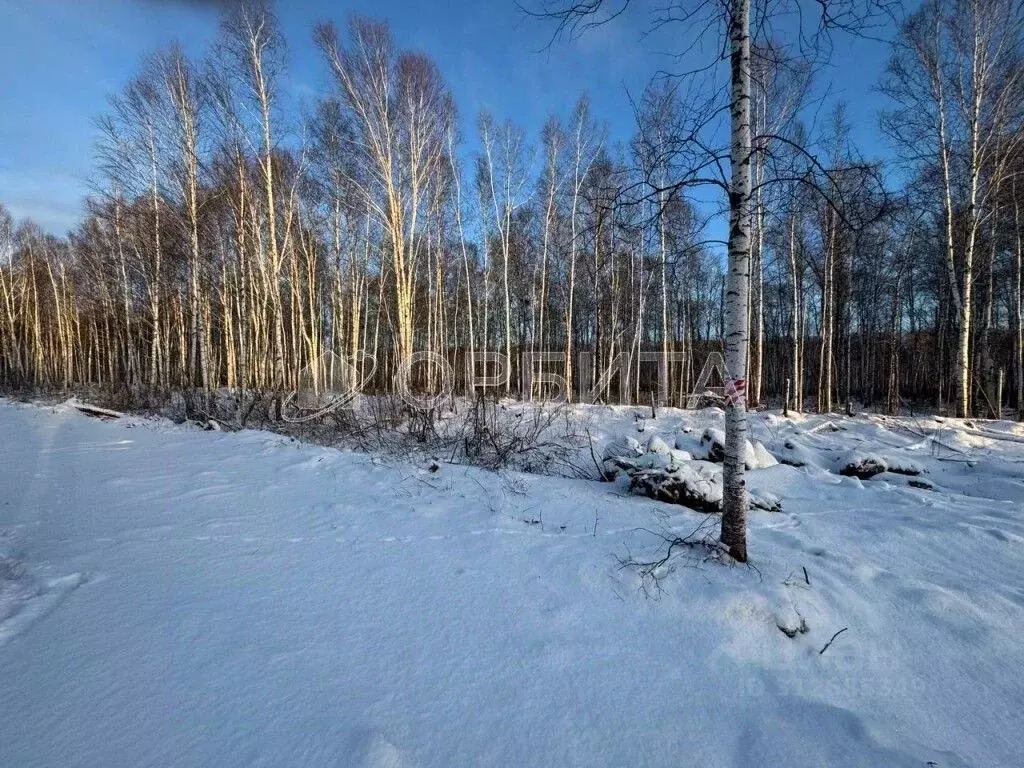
[(652, 572), (837, 634)]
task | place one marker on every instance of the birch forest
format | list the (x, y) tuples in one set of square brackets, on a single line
[(232, 244)]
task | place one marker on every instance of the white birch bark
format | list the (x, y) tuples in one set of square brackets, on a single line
[(734, 498)]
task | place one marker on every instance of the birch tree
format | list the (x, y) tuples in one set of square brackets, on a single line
[(398, 102), (501, 176)]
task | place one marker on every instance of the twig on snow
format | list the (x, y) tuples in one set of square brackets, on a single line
[(837, 634), (651, 572)]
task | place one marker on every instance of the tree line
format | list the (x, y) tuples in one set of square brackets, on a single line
[(231, 244)]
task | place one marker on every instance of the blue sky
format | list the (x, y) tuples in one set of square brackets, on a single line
[(61, 59)]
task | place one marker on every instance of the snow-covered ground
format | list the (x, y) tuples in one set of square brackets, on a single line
[(175, 597)]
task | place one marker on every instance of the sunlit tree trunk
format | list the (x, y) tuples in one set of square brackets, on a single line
[(734, 498)]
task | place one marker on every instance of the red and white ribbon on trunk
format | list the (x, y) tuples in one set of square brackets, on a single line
[(736, 391)]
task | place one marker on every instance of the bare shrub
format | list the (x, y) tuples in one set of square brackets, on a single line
[(485, 432), (541, 439)]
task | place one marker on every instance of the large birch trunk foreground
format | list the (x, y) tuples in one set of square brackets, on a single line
[(734, 501)]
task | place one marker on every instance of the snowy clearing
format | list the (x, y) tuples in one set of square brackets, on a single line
[(170, 596)]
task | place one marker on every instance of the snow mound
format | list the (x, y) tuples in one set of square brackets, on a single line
[(686, 441), (668, 462), (657, 445), (796, 454), (758, 457), (755, 455), (676, 477), (901, 465), (865, 465), (695, 484), (622, 446), (856, 463), (713, 441), (689, 474)]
